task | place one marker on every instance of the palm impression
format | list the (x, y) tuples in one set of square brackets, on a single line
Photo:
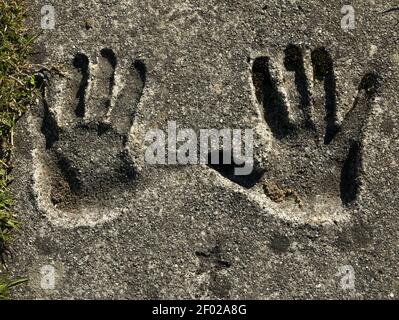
[(86, 122), (315, 158)]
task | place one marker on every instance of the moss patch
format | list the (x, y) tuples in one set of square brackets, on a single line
[(279, 194)]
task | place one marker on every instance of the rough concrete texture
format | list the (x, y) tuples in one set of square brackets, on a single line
[(324, 106)]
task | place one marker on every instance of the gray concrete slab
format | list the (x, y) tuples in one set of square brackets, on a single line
[(320, 221)]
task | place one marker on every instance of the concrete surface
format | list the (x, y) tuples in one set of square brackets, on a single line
[(320, 221)]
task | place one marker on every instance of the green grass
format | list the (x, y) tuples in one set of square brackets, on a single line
[(17, 90), (6, 285)]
